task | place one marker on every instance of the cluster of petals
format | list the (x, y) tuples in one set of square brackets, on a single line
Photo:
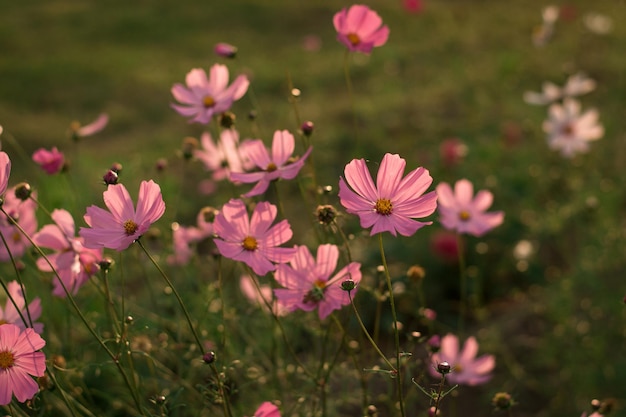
[(576, 85), (184, 237), (252, 240), (80, 131), (460, 211), (261, 296), (72, 261), (360, 28), (568, 131), (267, 409), (19, 359), (122, 224), (204, 97), (225, 156), (5, 171), (23, 213), (392, 204), (51, 161), (273, 166), (466, 368), (308, 283), (18, 312)]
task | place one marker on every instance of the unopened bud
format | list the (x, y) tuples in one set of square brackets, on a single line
[(326, 214), (106, 263), (209, 357), (416, 273), (23, 191), (444, 368), (502, 401), (227, 119), (110, 178), (225, 50), (189, 145), (348, 285), (307, 128)]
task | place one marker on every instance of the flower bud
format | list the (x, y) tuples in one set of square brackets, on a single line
[(502, 401), (209, 357), (326, 214), (161, 164), (225, 50), (106, 263), (189, 145), (444, 368), (307, 128), (348, 285), (23, 191), (416, 273), (110, 178), (227, 119)]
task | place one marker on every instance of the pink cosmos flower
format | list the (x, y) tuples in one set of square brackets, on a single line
[(183, 237), (50, 161), (5, 171), (308, 282), (122, 224), (250, 291), (252, 240), (77, 131), (466, 368), (72, 260), (576, 85), (204, 97), (10, 314), (18, 360), (461, 211), (569, 131), (24, 213), (360, 28), (391, 204), (267, 409), (224, 157), (274, 166)]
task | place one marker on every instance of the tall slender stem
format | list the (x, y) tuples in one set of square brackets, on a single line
[(462, 284)]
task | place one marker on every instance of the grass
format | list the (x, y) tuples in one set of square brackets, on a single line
[(459, 69)]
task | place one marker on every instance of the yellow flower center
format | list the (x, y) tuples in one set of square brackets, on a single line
[(208, 101), (271, 167), (249, 243), (354, 39), (464, 215), (321, 284), (16, 237), (6, 359), (74, 126), (457, 368), (567, 129), (130, 227), (383, 206), (3, 321)]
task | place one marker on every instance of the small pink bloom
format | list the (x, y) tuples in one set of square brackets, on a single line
[(452, 151), (252, 240), (72, 261), (445, 245), (413, 6), (466, 368), (391, 204), (569, 131), (225, 50), (5, 172), (360, 28), (50, 161), (308, 282), (122, 224), (274, 166), (10, 314), (18, 360), (24, 213), (184, 237), (267, 409), (90, 129), (204, 97), (461, 211), (252, 294), (225, 156)]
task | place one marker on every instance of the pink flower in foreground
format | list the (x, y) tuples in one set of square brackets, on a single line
[(391, 204), (5, 171), (274, 166), (92, 128), (267, 409), (50, 161), (11, 315), (461, 211), (569, 131), (252, 240), (72, 261), (204, 97), (360, 28), (23, 212), (308, 282), (466, 369), (122, 224), (18, 360)]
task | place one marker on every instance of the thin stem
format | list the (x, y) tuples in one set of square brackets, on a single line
[(178, 298), (462, 284), (395, 323), (222, 390), (346, 70), (439, 391)]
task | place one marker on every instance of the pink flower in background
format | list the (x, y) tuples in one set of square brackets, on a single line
[(452, 151), (225, 50), (225, 156), (11, 315), (414, 6), (391, 204), (274, 166), (72, 261), (569, 131), (360, 28), (252, 240), (24, 213), (122, 224), (5, 172), (204, 97), (50, 161), (461, 211), (308, 282), (445, 245), (267, 409), (576, 85), (90, 129), (250, 291), (466, 369), (19, 360), (183, 237)]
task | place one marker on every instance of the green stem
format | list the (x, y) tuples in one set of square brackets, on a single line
[(346, 70), (462, 285)]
